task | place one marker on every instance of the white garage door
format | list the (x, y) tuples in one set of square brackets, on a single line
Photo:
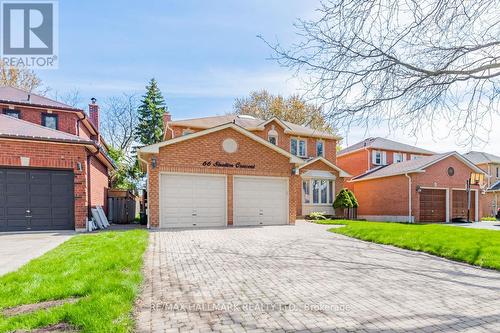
[(192, 201), (260, 201)]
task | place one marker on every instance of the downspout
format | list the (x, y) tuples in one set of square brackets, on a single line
[(369, 158), (409, 198)]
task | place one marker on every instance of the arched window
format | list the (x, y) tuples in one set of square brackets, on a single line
[(272, 136)]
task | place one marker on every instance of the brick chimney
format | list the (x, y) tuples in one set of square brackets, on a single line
[(167, 117), (94, 113)]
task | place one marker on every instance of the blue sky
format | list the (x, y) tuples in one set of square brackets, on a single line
[(204, 54)]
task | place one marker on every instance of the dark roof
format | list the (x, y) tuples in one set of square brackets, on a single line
[(412, 166), (386, 144), (11, 127), (13, 95), (479, 157), (495, 187)]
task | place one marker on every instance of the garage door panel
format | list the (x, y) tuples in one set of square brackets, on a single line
[(192, 201), (432, 205), (36, 199), (260, 201)]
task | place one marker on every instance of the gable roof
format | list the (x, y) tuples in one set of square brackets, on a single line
[(342, 173), (412, 166), (479, 157), (11, 95), (386, 144), (11, 127), (252, 124), (155, 148)]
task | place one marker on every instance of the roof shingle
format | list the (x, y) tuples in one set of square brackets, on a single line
[(479, 157), (19, 96)]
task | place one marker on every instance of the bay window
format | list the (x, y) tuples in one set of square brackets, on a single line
[(322, 191)]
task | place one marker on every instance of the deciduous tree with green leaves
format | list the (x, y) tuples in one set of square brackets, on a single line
[(151, 110)]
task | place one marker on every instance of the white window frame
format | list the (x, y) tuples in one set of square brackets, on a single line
[(310, 182), (396, 160), (299, 140), (383, 157), (322, 148), (415, 157), (269, 136)]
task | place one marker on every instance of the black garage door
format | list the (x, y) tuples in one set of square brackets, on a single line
[(36, 199)]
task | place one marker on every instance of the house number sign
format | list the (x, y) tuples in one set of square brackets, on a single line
[(219, 164)]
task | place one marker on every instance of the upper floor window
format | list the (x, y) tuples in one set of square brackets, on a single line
[(272, 136), (399, 157), (379, 157), (50, 121), (298, 147), (187, 131), (12, 113), (498, 172), (415, 157), (320, 149)]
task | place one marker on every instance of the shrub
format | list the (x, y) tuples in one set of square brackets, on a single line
[(317, 216), (353, 199), (488, 218), (343, 199)]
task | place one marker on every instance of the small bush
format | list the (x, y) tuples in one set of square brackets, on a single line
[(489, 218), (317, 216)]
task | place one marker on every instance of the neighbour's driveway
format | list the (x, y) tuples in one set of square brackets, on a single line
[(478, 225), (16, 249), (303, 278)]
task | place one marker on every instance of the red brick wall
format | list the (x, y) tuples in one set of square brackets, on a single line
[(330, 146), (98, 184), (188, 156), (47, 155), (355, 163), (66, 120), (490, 201)]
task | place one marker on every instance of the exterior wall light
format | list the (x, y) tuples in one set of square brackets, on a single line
[(153, 162), (419, 189)]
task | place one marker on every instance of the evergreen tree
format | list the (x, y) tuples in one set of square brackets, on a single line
[(151, 110), (343, 199)]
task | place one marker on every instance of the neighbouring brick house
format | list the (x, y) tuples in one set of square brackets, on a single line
[(54, 164), (491, 165), (375, 152), (239, 170), (427, 189)]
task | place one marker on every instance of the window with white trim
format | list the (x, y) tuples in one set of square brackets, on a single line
[(322, 191), (398, 157), (415, 157), (320, 148), (298, 147), (272, 136), (379, 157)]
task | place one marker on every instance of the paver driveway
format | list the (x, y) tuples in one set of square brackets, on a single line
[(302, 278)]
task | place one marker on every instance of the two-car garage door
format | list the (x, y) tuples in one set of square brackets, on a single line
[(188, 200)]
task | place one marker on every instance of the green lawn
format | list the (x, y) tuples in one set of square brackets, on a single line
[(103, 269), (473, 246)]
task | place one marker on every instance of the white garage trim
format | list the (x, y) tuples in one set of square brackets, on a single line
[(287, 194), (160, 191)]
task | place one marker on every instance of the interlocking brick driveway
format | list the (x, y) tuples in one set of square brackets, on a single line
[(307, 280)]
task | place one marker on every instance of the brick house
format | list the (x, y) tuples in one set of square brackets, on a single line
[(53, 163), (375, 152), (239, 170), (491, 165), (427, 189)]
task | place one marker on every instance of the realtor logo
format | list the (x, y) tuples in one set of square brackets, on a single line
[(29, 33)]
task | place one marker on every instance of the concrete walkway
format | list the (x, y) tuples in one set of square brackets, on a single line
[(16, 249), (304, 279), (478, 225)]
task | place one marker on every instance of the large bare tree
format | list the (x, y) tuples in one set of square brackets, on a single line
[(264, 105), (406, 62)]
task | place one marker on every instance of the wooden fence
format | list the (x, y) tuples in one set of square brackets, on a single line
[(122, 206)]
